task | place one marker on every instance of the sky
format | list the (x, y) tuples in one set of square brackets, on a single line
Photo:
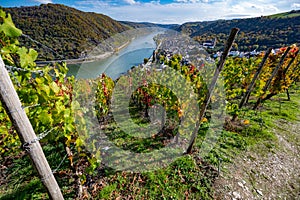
[(171, 11)]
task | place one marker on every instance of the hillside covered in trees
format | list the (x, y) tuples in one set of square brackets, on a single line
[(149, 24), (255, 33), (67, 31)]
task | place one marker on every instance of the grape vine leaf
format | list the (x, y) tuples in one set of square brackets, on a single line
[(27, 58), (45, 118), (8, 26), (54, 87)]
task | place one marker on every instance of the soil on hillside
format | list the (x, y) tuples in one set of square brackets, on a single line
[(267, 171)]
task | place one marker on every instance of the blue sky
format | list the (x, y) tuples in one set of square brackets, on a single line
[(171, 11)]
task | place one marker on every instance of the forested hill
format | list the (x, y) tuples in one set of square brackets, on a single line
[(262, 32), (65, 30), (69, 32), (148, 24)]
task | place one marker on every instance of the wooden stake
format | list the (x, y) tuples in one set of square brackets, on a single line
[(249, 89), (213, 83), (12, 104), (260, 67), (286, 70), (290, 63), (294, 78), (275, 71)]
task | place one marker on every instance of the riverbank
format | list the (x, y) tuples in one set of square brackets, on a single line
[(130, 53), (78, 60), (87, 59)]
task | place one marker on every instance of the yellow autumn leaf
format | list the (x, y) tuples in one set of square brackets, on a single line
[(246, 122), (204, 119)]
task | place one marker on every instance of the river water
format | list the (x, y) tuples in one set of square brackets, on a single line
[(117, 64)]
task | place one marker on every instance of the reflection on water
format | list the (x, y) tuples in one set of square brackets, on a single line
[(126, 61), (117, 64)]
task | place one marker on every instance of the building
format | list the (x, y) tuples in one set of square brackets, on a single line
[(210, 43)]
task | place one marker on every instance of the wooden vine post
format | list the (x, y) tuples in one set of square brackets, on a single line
[(249, 89), (260, 67), (212, 85), (12, 104), (290, 63), (274, 73), (294, 78), (286, 70)]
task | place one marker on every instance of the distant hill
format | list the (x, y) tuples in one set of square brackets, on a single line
[(255, 33), (65, 30), (69, 32), (148, 24), (293, 13)]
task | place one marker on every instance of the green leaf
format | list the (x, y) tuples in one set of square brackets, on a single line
[(39, 80), (8, 27), (56, 72), (70, 128), (69, 139), (54, 87), (79, 142), (45, 118), (27, 58), (46, 89)]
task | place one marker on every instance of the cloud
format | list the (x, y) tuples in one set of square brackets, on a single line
[(254, 8), (131, 2), (295, 6), (88, 4), (43, 1), (180, 11), (154, 11), (192, 1), (236, 16)]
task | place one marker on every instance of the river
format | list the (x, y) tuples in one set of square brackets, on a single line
[(119, 63)]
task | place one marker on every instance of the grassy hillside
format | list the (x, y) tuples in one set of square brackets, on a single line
[(262, 32), (65, 30), (293, 13)]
